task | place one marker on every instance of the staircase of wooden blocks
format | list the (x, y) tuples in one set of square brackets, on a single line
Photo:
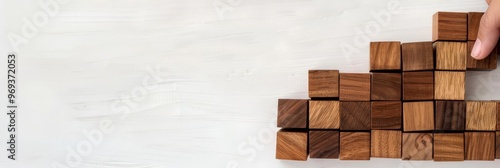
[(411, 106)]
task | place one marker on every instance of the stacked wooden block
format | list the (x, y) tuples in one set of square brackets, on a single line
[(411, 106)]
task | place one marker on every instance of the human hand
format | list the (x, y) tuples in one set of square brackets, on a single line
[(489, 31)]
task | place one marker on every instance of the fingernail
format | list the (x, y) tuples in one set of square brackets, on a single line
[(476, 50)]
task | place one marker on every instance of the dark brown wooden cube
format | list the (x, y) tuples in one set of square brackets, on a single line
[(417, 146), (355, 116), (292, 113), (450, 115), (386, 86), (355, 86), (498, 116), (417, 56), (386, 115), (473, 24), (354, 145), (488, 63), (386, 143), (451, 55), (324, 144), (418, 85), (449, 147), (449, 26), (291, 145), (480, 146), (498, 145), (323, 83), (385, 55)]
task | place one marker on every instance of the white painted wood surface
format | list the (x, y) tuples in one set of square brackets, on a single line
[(222, 65)]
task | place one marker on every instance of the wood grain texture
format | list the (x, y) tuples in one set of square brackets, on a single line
[(324, 114), (386, 144), (418, 116), (417, 56), (291, 145), (418, 85), (385, 55), (488, 63), (417, 146), (386, 86), (473, 24), (355, 86), (449, 85), (498, 116), (481, 116), (449, 26), (480, 146), (451, 55), (450, 115), (354, 146), (497, 142), (386, 115), (323, 83), (292, 113), (355, 116), (324, 144), (449, 147)]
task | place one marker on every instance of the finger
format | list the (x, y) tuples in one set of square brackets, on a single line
[(488, 2), (487, 37)]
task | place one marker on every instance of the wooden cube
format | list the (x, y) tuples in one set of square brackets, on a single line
[(386, 115), (451, 55), (292, 113), (354, 145), (385, 55), (418, 85), (473, 24), (480, 146), (488, 63), (355, 86), (450, 115), (498, 145), (449, 85), (386, 144), (355, 116), (498, 116), (291, 145), (386, 86), (417, 56), (449, 147), (323, 83), (418, 116), (481, 116), (324, 114), (324, 144), (417, 146), (449, 26)]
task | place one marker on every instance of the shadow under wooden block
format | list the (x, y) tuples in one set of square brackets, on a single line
[(481, 116), (451, 55), (292, 113), (418, 85), (386, 115), (488, 63), (450, 115), (386, 144), (324, 144), (498, 145), (418, 116), (291, 145), (417, 56), (354, 145), (355, 116), (480, 146), (323, 83), (324, 114), (355, 86), (449, 85), (449, 147), (385, 55), (449, 26), (473, 21), (386, 86), (417, 146)]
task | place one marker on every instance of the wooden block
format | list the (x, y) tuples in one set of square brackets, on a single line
[(355, 86), (385, 55), (418, 116), (386, 115), (449, 85), (291, 145), (386, 86), (417, 146), (489, 63), (418, 85), (480, 146), (386, 144), (481, 116), (324, 114), (449, 147), (323, 83), (473, 24), (324, 144), (449, 26), (354, 146), (450, 115), (292, 113), (355, 116), (498, 145), (417, 56), (498, 116), (451, 55)]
